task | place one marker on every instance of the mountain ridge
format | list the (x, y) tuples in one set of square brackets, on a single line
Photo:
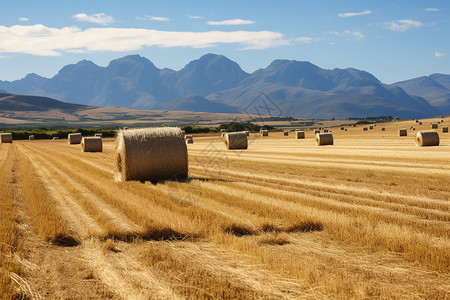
[(299, 88)]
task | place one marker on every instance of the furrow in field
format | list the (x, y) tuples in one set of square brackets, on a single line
[(112, 221), (79, 220)]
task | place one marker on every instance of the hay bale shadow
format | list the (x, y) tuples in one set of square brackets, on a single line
[(64, 241)]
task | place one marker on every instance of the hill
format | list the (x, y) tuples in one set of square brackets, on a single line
[(217, 84), (434, 88)]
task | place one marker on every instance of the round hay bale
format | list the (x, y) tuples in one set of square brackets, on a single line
[(370, 127), (189, 139), (417, 121), (264, 133), (325, 130), (91, 144), (324, 139), (286, 133), (316, 131), (365, 129), (55, 138), (402, 132), (299, 135), (125, 128), (444, 129), (427, 138), (74, 138), (434, 126), (420, 123), (342, 128), (151, 154), (100, 135), (6, 138), (383, 129), (345, 129), (31, 137), (222, 135), (222, 131), (236, 140)]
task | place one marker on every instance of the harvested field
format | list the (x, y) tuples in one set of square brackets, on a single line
[(367, 217)]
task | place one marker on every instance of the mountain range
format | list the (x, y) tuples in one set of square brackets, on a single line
[(214, 83)]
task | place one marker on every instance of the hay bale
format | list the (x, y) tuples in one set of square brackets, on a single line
[(74, 138), (420, 123), (151, 154), (6, 138), (434, 126), (100, 135), (91, 144), (55, 138), (316, 131), (324, 139), (222, 131), (417, 121), (189, 139), (125, 128), (31, 137), (370, 127), (365, 129), (299, 134), (264, 133), (236, 140), (342, 128), (444, 129), (325, 130), (286, 133), (383, 129), (402, 132), (345, 129), (427, 138)]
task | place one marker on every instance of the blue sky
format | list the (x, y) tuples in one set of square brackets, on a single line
[(393, 40)]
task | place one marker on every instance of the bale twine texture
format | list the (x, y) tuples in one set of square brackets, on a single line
[(402, 132), (6, 138), (324, 139), (427, 138), (74, 138), (299, 135), (91, 144), (236, 140), (151, 154)]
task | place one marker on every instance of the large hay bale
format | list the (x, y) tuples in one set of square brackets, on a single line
[(98, 135), (434, 126), (91, 144), (324, 139), (264, 133), (6, 138), (427, 138), (151, 154), (316, 131), (31, 137), (236, 140), (402, 132), (189, 139), (74, 138), (286, 133), (299, 135)]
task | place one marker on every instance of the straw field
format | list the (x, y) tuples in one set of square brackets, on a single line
[(367, 217)]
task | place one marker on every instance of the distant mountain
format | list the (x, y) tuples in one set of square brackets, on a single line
[(434, 88), (10, 102), (199, 104), (215, 83)]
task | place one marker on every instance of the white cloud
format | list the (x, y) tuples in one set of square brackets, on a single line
[(163, 19), (348, 34), (23, 19), (231, 22), (439, 54), (402, 25), (46, 41), (307, 40), (195, 17), (346, 15), (432, 9), (100, 18)]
